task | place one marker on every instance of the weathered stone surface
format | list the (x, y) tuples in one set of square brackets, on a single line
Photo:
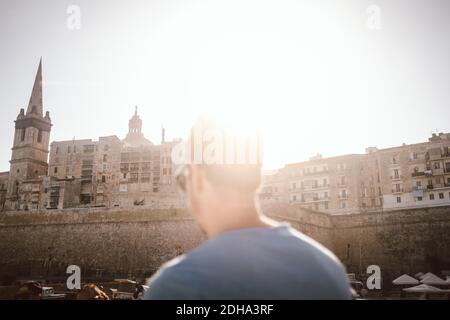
[(136, 241)]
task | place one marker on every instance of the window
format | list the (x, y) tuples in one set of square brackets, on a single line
[(105, 158), (418, 183), (39, 139), (419, 198), (55, 170), (326, 205), (89, 148), (399, 199), (396, 174), (293, 185), (103, 179), (294, 198), (437, 165), (397, 187), (22, 135), (431, 196), (441, 195), (343, 204), (133, 177), (438, 180), (145, 177), (57, 150), (69, 149)]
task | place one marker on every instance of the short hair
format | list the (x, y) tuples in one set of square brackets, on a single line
[(244, 171)]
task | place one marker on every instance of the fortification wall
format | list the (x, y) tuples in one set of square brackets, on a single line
[(103, 242), (136, 241), (406, 241)]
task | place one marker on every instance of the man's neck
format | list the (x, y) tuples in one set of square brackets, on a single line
[(235, 218)]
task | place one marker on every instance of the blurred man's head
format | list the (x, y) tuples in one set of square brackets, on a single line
[(222, 177)]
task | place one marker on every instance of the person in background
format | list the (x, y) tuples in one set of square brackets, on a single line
[(247, 255)]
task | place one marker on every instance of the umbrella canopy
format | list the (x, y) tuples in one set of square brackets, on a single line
[(423, 288), (418, 275), (405, 279), (432, 279), (425, 275)]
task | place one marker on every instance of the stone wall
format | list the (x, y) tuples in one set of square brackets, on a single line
[(103, 242), (408, 241), (111, 243)]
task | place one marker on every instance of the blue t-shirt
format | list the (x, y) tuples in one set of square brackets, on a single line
[(255, 263)]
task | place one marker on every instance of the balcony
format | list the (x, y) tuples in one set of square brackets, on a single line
[(441, 185), (417, 174), (438, 171), (396, 191), (343, 196), (311, 173), (315, 199), (316, 187), (398, 177), (86, 179)]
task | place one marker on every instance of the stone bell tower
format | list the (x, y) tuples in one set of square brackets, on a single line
[(29, 158)]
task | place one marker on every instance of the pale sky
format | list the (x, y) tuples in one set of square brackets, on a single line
[(309, 76)]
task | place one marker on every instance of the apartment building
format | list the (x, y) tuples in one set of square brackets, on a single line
[(408, 176)]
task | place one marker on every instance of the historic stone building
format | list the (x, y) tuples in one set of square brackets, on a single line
[(84, 173), (29, 152), (408, 176), (134, 171)]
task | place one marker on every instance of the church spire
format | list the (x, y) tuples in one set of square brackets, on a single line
[(35, 106)]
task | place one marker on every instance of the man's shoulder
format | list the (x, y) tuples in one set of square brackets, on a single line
[(176, 279)]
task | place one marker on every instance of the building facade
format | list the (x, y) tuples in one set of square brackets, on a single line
[(109, 172), (408, 176)]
